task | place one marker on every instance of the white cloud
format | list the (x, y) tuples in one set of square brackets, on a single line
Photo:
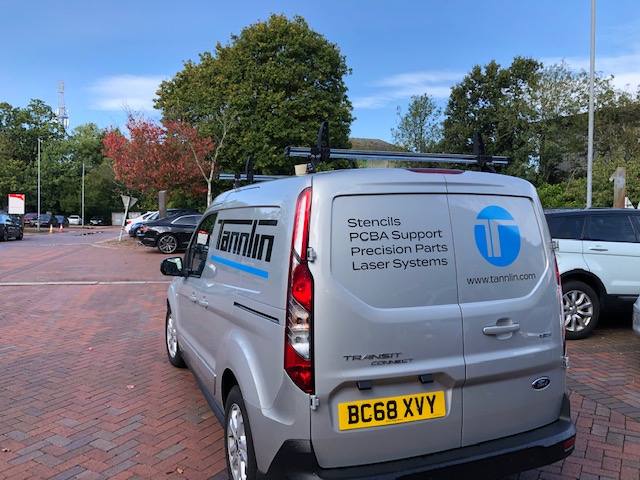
[(403, 86), (624, 68), (133, 93)]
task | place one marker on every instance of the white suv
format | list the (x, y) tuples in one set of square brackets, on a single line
[(598, 254)]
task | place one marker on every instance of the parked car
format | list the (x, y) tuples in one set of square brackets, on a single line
[(45, 220), (383, 323), (62, 220), (636, 316), (169, 234), (30, 219), (75, 220), (96, 221), (137, 221), (598, 254), (171, 212), (10, 228)]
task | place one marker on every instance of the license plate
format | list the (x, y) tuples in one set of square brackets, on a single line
[(391, 410)]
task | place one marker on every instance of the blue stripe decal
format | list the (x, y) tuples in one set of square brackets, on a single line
[(239, 266)]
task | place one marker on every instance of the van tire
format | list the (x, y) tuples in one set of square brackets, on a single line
[(238, 446), (171, 342), (581, 308), (167, 243)]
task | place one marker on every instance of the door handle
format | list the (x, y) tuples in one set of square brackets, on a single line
[(598, 249), (501, 329), (193, 298), (203, 302)]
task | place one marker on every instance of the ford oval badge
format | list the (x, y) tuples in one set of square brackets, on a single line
[(541, 383)]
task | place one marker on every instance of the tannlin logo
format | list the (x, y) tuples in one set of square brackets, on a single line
[(235, 237)]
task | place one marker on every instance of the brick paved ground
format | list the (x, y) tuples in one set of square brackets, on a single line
[(86, 391)]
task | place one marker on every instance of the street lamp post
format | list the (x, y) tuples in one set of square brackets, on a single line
[(38, 218), (591, 100), (82, 218)]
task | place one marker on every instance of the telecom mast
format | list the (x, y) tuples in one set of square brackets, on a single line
[(61, 112)]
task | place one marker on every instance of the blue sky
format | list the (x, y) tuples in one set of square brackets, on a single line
[(112, 55)]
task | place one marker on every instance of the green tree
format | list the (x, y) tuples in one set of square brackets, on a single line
[(20, 129), (495, 102), (102, 195), (420, 129), (269, 87)]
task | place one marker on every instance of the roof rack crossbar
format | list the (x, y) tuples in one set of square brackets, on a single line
[(400, 156), (243, 177)]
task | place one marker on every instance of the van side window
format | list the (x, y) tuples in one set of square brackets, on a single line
[(198, 251)]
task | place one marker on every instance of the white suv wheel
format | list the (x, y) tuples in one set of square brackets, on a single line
[(581, 309)]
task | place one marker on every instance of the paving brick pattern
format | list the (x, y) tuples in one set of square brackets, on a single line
[(86, 391)]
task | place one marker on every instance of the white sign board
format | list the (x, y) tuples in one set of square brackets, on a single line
[(16, 203)]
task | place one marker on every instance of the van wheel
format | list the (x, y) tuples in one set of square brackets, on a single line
[(171, 335), (168, 243), (241, 459), (581, 309)]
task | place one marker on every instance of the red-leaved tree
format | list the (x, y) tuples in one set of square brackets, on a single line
[(161, 157)]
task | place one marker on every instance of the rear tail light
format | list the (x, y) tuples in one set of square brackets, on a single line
[(298, 357)]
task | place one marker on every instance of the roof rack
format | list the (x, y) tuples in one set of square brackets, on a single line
[(248, 175), (323, 153)]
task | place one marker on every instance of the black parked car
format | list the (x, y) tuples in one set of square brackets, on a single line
[(62, 220), (96, 221), (169, 234), (10, 228), (47, 220)]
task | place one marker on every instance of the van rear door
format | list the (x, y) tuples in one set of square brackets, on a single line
[(387, 327), (510, 309)]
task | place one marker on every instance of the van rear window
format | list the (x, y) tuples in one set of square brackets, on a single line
[(394, 250)]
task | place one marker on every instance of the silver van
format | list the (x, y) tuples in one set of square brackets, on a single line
[(376, 323)]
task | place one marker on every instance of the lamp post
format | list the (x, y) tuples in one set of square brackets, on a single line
[(38, 218), (82, 218), (590, 133)]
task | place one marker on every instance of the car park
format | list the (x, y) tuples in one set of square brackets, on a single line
[(75, 220), (10, 228), (169, 234), (375, 323), (598, 254)]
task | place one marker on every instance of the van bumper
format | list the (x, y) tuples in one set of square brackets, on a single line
[(505, 456)]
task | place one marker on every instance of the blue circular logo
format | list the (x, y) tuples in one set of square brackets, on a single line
[(497, 236)]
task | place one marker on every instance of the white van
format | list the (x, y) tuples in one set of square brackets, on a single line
[(376, 323)]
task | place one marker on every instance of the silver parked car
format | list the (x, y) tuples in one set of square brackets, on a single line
[(75, 220)]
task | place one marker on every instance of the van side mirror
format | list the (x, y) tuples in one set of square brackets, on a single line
[(172, 267)]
